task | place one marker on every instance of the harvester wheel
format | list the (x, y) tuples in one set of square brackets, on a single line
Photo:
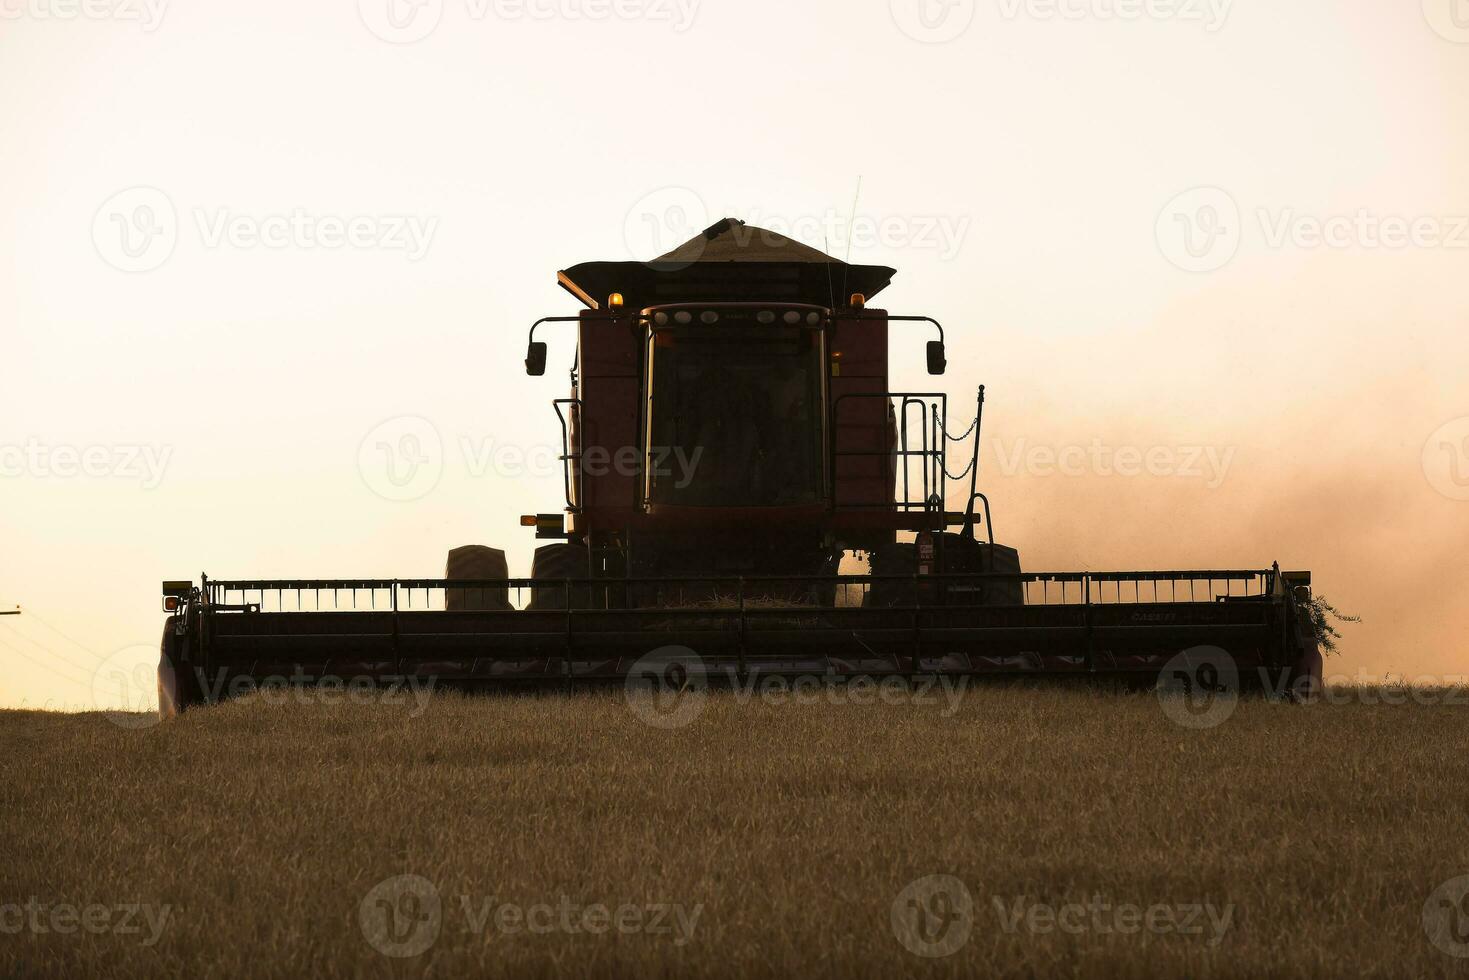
[(553, 564), (476, 562), (960, 555), (178, 686)]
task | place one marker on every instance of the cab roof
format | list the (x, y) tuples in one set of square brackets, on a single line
[(728, 261)]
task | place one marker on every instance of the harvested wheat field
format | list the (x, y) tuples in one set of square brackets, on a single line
[(1074, 832)]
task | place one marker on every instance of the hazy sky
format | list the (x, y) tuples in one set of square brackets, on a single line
[(1228, 238)]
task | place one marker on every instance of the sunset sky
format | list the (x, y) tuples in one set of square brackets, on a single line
[(242, 238)]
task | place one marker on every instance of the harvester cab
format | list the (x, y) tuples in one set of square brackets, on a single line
[(731, 414), (730, 436)]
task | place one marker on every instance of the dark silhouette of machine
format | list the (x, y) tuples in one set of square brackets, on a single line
[(731, 434)]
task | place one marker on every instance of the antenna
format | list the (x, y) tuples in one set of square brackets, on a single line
[(851, 220), (830, 290)]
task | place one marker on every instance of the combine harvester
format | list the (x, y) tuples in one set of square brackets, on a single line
[(730, 435)]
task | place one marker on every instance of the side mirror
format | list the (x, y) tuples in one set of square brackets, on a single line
[(535, 358), (936, 361)]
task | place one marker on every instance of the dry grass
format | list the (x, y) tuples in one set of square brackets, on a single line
[(794, 827)]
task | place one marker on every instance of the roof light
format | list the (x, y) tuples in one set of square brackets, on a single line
[(708, 316), (765, 316), (792, 317), (614, 302), (683, 316), (857, 302), (813, 318), (660, 318)]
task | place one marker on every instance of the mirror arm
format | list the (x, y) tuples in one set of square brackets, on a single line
[(922, 319)]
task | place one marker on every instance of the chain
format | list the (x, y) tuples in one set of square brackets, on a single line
[(959, 438), (962, 473)]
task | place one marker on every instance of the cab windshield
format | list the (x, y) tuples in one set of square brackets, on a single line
[(735, 415)]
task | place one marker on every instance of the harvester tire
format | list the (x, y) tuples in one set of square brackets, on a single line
[(476, 562), (554, 564), (960, 556), (178, 686)]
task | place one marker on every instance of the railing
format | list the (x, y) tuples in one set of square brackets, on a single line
[(933, 410), (850, 591)]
